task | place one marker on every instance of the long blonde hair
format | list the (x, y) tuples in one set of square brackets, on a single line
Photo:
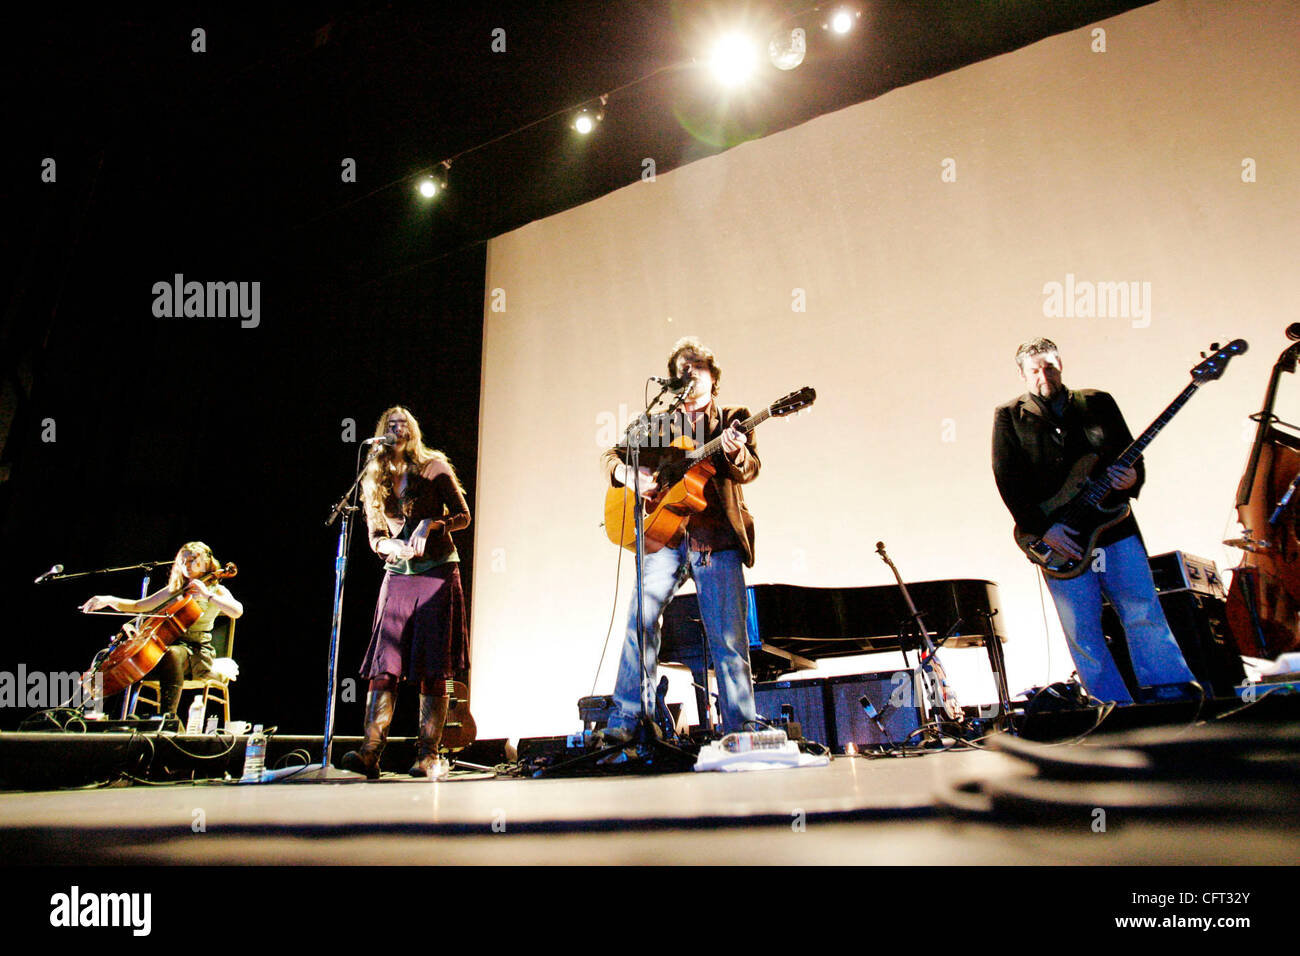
[(176, 579), (377, 482)]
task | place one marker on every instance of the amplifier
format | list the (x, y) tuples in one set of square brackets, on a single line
[(1199, 623), (1179, 571), (805, 698), (531, 748), (896, 696), (595, 711)]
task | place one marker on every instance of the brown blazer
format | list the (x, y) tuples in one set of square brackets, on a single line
[(730, 475)]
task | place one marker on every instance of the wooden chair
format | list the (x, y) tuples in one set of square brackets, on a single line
[(213, 687)]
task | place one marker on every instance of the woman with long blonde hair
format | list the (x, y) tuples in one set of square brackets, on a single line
[(190, 657), (413, 502)]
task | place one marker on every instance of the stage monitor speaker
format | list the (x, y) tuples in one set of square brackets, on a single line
[(807, 702), (896, 696)]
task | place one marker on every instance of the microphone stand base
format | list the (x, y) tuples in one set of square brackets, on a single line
[(315, 773)]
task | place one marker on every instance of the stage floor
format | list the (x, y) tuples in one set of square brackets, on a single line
[(855, 811)]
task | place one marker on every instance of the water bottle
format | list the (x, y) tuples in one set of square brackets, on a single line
[(254, 756), (753, 740), (194, 721)]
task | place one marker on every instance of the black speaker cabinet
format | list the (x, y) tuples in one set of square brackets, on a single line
[(806, 698), (1200, 622), (1200, 625), (896, 696)]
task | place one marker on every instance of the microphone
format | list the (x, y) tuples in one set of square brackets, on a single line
[(57, 569), (381, 440), (1293, 331), (874, 714), (675, 384)]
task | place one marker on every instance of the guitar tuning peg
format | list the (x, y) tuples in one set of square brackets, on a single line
[(1214, 346)]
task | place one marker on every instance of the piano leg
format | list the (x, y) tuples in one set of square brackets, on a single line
[(998, 664)]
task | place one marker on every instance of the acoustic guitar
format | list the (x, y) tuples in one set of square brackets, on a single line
[(1080, 503), (460, 730), (684, 471)]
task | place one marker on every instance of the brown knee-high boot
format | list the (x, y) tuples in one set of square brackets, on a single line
[(433, 716), (379, 714)]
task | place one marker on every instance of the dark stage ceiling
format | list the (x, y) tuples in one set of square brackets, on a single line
[(246, 140)]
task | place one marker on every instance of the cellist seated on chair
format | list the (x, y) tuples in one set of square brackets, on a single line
[(190, 657)]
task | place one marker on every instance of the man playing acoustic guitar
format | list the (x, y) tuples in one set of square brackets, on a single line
[(1037, 439), (717, 540)]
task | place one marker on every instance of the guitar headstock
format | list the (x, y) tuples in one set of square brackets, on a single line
[(1214, 365), (793, 402)]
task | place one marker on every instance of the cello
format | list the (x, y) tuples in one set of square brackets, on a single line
[(134, 652), (1263, 606)]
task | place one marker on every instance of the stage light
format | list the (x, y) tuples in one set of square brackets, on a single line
[(436, 182), (786, 50), (734, 59), (589, 117), (842, 20)]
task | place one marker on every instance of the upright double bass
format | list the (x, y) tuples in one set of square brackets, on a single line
[(1264, 600)]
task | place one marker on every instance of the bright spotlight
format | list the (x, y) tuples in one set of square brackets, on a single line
[(786, 50), (431, 185), (734, 59), (590, 116), (842, 21)]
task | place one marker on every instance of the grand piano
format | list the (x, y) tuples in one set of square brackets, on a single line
[(791, 627)]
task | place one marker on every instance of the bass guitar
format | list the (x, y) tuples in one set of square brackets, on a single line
[(1080, 503), (683, 473)]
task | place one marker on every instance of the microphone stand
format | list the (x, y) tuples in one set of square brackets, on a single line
[(325, 771), (646, 741)]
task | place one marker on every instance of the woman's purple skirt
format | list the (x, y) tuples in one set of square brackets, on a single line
[(419, 631)]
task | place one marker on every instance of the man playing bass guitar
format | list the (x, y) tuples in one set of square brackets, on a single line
[(1037, 438), (717, 540)]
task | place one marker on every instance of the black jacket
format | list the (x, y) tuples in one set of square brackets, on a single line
[(1033, 453)]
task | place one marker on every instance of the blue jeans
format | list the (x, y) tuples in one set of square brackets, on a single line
[(721, 586), (1126, 581)]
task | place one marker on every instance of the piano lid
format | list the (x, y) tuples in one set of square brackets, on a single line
[(835, 622)]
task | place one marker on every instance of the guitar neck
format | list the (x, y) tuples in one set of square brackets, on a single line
[(1098, 488), (713, 447)]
